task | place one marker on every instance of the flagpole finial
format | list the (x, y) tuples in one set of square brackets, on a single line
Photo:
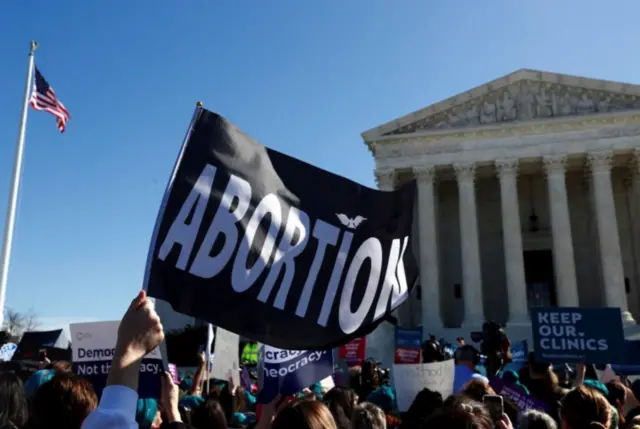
[(198, 103), (34, 46)]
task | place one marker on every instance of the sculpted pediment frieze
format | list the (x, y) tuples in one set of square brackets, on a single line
[(525, 100)]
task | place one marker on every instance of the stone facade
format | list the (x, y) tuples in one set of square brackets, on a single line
[(528, 194)]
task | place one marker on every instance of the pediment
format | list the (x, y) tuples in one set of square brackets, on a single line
[(525, 95)]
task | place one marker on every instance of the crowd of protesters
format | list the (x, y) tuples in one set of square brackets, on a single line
[(55, 397)]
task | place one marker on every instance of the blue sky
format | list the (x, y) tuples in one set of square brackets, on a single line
[(304, 77)]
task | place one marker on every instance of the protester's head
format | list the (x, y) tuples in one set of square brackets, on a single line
[(532, 419), (476, 389), (304, 414), (458, 418), (424, 404), (384, 397), (368, 416), (241, 400), (65, 401), (209, 415), (62, 366), (13, 401), (583, 408), (617, 398), (36, 380), (341, 401), (467, 355), (538, 369)]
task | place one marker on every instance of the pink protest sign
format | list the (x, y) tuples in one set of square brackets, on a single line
[(173, 370)]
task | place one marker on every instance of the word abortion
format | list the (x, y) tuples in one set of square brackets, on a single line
[(102, 368), (295, 235)]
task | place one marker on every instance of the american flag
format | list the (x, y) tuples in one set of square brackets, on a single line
[(44, 98)]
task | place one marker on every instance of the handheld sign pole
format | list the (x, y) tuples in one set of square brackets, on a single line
[(165, 356), (15, 185)]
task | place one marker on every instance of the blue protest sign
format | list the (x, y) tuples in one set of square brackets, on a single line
[(520, 352), (519, 356), (92, 351), (289, 371), (574, 335), (630, 363), (408, 337)]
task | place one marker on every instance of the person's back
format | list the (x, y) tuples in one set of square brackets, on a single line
[(466, 358)]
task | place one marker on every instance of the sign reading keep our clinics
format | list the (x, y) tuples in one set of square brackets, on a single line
[(588, 335)]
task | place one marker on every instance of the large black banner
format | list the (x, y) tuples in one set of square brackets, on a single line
[(275, 249)]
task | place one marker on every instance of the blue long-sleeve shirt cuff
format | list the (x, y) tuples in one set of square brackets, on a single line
[(117, 410)]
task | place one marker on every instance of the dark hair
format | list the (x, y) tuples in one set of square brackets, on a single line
[(209, 415), (340, 401), (538, 368), (617, 397), (304, 414), (240, 401), (424, 404), (584, 408), (457, 418), (466, 353), (13, 401), (64, 401), (533, 419)]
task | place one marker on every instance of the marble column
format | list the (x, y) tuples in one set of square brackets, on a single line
[(385, 179), (429, 261), (470, 247), (634, 220), (512, 240), (563, 259), (608, 236)]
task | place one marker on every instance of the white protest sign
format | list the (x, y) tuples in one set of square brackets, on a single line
[(225, 362), (411, 379), (7, 351), (93, 347)]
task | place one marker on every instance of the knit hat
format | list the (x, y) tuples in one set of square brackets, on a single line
[(36, 380), (384, 397), (191, 401), (597, 385)]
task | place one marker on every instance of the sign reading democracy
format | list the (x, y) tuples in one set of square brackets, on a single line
[(289, 371), (589, 335), (314, 258), (92, 350)]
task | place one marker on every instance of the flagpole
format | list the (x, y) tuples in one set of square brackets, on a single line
[(10, 219)]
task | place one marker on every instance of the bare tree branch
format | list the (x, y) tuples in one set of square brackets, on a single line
[(17, 323)]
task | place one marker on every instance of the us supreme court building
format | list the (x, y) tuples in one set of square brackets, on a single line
[(528, 195)]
